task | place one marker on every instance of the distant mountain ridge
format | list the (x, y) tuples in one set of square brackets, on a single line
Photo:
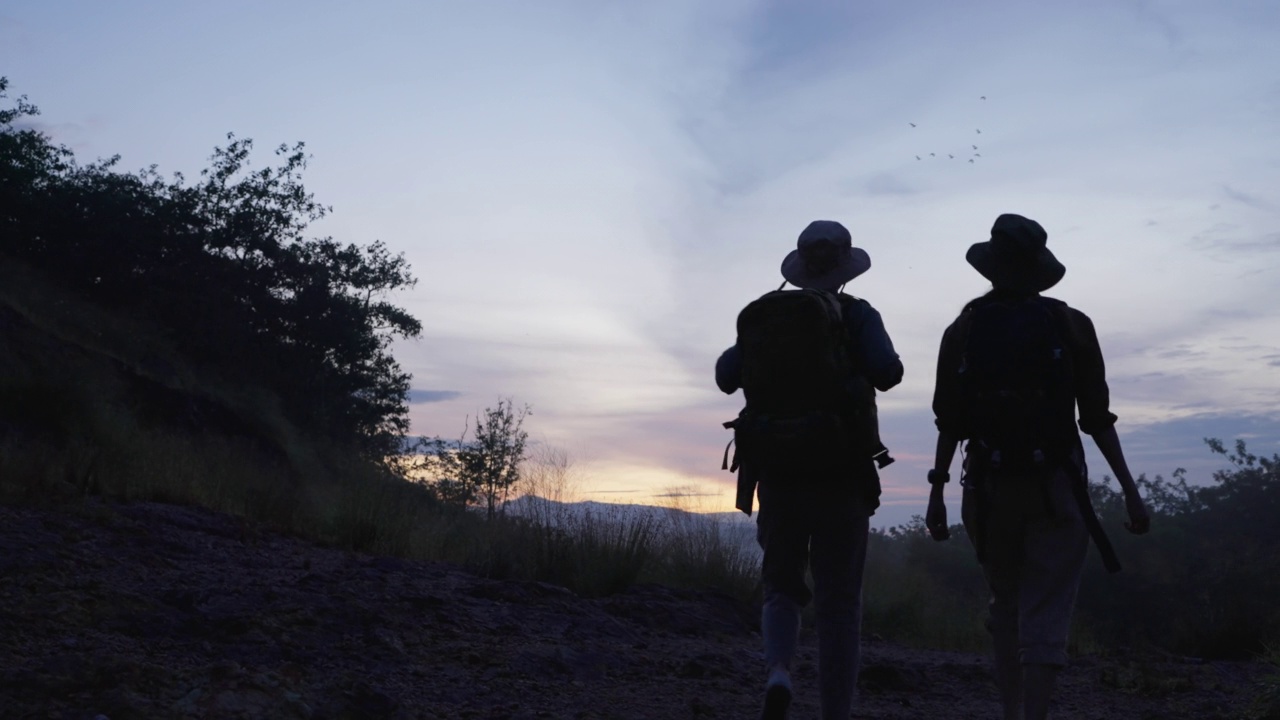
[(533, 505)]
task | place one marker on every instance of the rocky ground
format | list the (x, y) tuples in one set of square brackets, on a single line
[(156, 611)]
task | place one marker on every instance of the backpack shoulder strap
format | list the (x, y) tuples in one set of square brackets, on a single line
[(1061, 319), (836, 304), (850, 302), (853, 309), (960, 329), (964, 322), (831, 300), (1059, 310)]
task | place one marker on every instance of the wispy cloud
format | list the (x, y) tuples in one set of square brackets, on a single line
[(684, 494), (1149, 13), (888, 184), (432, 396), (591, 194), (1232, 240), (1248, 199)]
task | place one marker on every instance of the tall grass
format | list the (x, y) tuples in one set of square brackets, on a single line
[(1265, 704), (69, 429), (345, 502), (924, 593), (73, 425)]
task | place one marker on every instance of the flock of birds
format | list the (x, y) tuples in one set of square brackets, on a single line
[(951, 156)]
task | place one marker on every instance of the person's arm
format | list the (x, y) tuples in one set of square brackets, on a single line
[(1097, 420), (1108, 443), (1089, 373), (935, 518), (946, 409), (729, 370), (880, 362)]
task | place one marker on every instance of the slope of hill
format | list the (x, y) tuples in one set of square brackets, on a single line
[(148, 610), (97, 402)]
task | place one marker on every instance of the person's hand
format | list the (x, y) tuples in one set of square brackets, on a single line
[(935, 518), (1139, 522)]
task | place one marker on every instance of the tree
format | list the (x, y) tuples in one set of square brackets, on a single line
[(224, 268), (483, 469), (1206, 581), (438, 462), (495, 454)]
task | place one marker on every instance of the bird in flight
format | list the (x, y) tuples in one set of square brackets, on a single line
[(911, 124), (953, 157), (917, 157), (977, 154), (975, 147), (970, 159), (984, 97), (932, 155), (979, 132)]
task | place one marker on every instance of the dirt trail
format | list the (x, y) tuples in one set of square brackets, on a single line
[(156, 611)]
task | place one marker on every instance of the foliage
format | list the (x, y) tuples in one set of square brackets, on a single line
[(483, 469), (1206, 581), (185, 342), (223, 266), (493, 458), (922, 592)]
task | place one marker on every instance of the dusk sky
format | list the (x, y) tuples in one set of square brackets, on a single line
[(589, 191)]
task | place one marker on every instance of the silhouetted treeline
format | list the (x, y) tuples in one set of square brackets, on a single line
[(1205, 582), (223, 267)]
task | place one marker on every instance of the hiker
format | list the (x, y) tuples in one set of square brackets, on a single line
[(1012, 370), (808, 362)]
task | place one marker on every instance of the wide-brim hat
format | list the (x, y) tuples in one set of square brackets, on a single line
[(1016, 257), (824, 257)]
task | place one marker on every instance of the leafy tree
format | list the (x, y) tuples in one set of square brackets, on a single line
[(439, 463), (1207, 579), (481, 470), (496, 452), (223, 266), (1204, 582)]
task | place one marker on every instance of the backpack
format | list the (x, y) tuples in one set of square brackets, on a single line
[(807, 410), (1016, 384)]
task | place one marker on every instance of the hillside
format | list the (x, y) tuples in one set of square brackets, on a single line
[(148, 610), (207, 508), (95, 401), (115, 605)]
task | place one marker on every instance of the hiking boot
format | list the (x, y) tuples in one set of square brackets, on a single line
[(777, 698)]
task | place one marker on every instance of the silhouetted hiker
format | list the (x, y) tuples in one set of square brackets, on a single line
[(1012, 370), (808, 362)]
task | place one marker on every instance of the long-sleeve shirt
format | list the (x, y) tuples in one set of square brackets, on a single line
[(1089, 380), (873, 353)]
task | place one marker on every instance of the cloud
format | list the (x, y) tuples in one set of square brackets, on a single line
[(1161, 447), (1226, 241), (432, 396), (74, 136), (1269, 242), (1180, 351), (888, 184), (1172, 34), (591, 200), (1244, 198), (684, 494)]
